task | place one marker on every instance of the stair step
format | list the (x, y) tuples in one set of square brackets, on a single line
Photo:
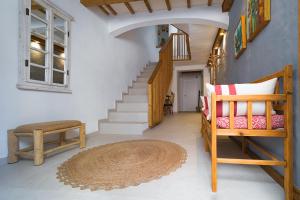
[(116, 116), (131, 114), (139, 85), (137, 91), (126, 128), (142, 79), (132, 106), (150, 67), (147, 72), (135, 98), (145, 75)]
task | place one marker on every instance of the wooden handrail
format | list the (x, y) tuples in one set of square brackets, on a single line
[(159, 81), (154, 73), (188, 47)]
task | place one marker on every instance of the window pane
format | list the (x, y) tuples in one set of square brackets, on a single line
[(38, 10), (37, 73), (58, 77), (59, 22), (58, 50), (59, 37), (58, 63), (37, 57), (37, 42), (38, 27)]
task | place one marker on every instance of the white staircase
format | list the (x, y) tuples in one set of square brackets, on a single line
[(131, 114)]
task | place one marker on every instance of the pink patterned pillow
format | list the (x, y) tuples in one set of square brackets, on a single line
[(258, 122)]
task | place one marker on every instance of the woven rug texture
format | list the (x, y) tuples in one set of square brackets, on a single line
[(122, 164)]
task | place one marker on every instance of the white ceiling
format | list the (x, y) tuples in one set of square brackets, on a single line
[(139, 6), (201, 41), (201, 36)]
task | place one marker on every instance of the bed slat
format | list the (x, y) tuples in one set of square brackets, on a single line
[(249, 112), (254, 132), (231, 115), (269, 115), (250, 162)]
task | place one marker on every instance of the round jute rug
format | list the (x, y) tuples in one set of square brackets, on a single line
[(121, 164)]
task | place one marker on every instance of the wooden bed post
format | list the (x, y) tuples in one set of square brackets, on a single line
[(62, 138), (38, 147), (213, 143), (13, 147), (82, 136), (288, 140)]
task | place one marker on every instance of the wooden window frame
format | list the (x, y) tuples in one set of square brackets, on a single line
[(24, 81)]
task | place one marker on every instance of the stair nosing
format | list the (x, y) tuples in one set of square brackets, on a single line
[(132, 102), (122, 122), (138, 112)]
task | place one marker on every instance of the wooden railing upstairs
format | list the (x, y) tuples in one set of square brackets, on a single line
[(181, 47), (159, 82)]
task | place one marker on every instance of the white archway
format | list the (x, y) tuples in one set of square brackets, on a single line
[(196, 15)]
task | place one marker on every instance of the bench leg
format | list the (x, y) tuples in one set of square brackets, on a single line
[(62, 138), (214, 162), (288, 170), (82, 135), (38, 147), (13, 147)]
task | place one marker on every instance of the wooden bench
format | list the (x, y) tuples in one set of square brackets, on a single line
[(282, 102), (37, 151)]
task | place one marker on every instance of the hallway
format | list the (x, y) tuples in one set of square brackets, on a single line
[(191, 181)]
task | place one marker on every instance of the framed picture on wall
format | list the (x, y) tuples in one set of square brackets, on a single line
[(240, 38), (162, 35), (258, 17)]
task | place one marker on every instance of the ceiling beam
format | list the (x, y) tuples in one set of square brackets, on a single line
[(168, 4), (103, 10), (189, 3), (111, 10), (227, 4), (209, 3), (127, 4), (148, 6), (90, 3)]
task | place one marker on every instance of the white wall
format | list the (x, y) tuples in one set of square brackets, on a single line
[(177, 70), (172, 29), (206, 15), (102, 67)]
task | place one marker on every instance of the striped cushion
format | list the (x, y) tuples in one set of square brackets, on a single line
[(205, 112), (240, 108), (204, 101)]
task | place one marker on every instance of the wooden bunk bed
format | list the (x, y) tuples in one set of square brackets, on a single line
[(282, 102)]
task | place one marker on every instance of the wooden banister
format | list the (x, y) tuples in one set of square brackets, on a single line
[(159, 81)]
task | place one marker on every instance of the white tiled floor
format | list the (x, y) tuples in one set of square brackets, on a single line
[(192, 181)]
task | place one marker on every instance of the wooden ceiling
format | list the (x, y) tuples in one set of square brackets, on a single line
[(115, 7)]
